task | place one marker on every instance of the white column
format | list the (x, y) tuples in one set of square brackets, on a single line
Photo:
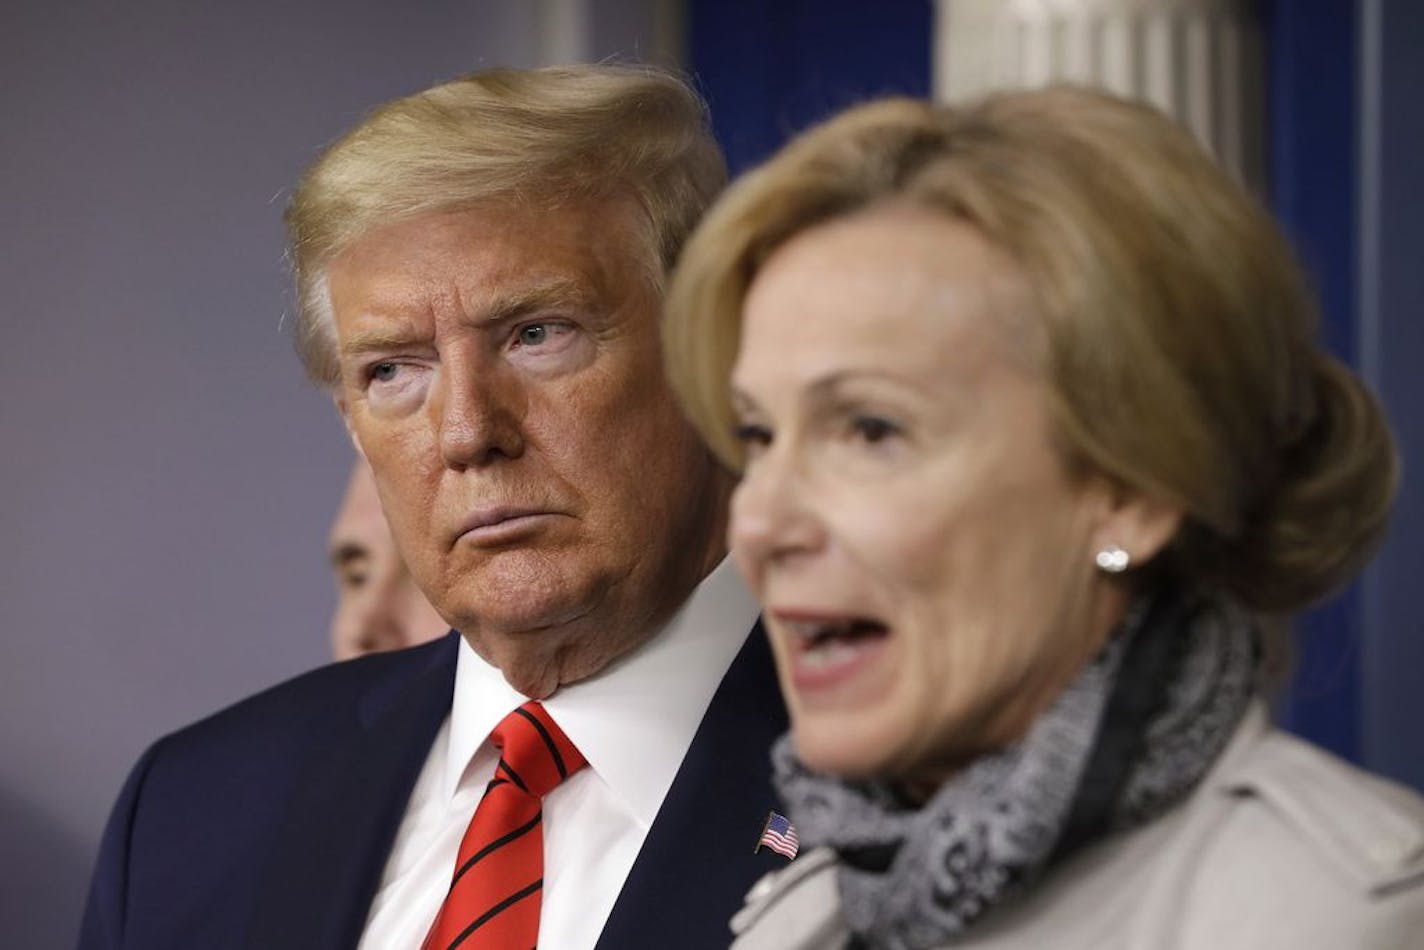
[(581, 31), (1200, 61), (565, 31)]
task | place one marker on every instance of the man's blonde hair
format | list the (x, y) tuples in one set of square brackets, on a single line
[(1176, 330), (542, 136)]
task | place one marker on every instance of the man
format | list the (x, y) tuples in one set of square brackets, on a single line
[(378, 606), (479, 270)]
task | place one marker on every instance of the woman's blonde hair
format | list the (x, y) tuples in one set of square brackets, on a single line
[(541, 136), (1178, 331)]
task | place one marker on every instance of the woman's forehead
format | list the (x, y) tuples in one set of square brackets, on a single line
[(896, 285)]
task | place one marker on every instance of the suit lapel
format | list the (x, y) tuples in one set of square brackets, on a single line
[(342, 817), (697, 862)]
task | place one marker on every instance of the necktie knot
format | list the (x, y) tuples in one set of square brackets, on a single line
[(534, 753)]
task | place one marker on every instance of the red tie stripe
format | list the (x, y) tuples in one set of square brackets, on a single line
[(495, 891)]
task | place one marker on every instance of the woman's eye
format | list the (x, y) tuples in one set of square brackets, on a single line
[(872, 429), (749, 435)]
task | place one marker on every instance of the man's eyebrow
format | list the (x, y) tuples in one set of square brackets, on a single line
[(375, 340), (552, 294), (558, 293)]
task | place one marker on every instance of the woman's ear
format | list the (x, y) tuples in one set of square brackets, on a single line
[(1137, 525)]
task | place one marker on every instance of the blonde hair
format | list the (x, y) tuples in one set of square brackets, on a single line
[(545, 135), (1178, 330)]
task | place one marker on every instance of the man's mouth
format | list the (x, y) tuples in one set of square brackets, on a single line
[(501, 524)]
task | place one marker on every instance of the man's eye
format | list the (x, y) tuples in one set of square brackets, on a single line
[(533, 334), (383, 372)]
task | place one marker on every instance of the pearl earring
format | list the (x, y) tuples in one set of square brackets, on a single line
[(1112, 559)]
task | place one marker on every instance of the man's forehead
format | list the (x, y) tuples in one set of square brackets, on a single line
[(539, 227), (489, 261)]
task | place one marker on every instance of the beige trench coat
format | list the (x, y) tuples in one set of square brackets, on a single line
[(1282, 847)]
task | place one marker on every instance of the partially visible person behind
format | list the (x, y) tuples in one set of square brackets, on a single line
[(1038, 449), (378, 606)]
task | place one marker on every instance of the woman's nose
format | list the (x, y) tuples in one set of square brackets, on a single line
[(774, 512)]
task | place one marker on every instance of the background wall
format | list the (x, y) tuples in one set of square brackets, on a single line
[(1313, 104), (770, 69), (1391, 343)]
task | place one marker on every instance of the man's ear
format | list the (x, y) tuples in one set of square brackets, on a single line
[(1140, 525), (339, 400)]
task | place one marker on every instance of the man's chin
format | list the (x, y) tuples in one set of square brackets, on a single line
[(536, 681), (536, 662), (542, 622)]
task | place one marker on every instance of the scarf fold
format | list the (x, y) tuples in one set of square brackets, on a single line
[(1128, 738)]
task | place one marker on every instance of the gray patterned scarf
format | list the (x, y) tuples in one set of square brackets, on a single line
[(1128, 738)]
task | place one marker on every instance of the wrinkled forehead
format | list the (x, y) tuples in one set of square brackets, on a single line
[(612, 216), (485, 264), (571, 248)]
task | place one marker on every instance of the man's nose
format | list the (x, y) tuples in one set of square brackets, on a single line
[(773, 512), (477, 411)]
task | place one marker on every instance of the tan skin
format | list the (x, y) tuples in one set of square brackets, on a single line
[(902, 472), (501, 370), (378, 606)]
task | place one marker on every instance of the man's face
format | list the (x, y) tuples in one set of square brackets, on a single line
[(501, 370), (378, 606)]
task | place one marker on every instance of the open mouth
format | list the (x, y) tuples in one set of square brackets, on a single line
[(827, 651)]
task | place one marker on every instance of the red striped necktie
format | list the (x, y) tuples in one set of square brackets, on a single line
[(494, 895)]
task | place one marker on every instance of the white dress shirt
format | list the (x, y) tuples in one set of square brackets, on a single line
[(633, 722)]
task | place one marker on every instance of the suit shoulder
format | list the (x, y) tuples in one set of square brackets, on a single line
[(316, 701)]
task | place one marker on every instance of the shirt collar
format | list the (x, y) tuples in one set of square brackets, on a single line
[(633, 721)]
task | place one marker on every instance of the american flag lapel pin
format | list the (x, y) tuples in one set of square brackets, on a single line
[(778, 835)]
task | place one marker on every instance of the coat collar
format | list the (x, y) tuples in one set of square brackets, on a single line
[(698, 859)]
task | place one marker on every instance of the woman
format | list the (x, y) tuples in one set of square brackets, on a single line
[(1037, 450)]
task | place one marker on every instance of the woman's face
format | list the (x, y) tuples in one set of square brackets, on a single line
[(924, 556)]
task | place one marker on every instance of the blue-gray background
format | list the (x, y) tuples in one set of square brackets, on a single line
[(167, 478)]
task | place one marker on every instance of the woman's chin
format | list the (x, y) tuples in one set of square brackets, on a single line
[(848, 747)]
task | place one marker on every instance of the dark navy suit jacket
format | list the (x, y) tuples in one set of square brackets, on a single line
[(267, 825)]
